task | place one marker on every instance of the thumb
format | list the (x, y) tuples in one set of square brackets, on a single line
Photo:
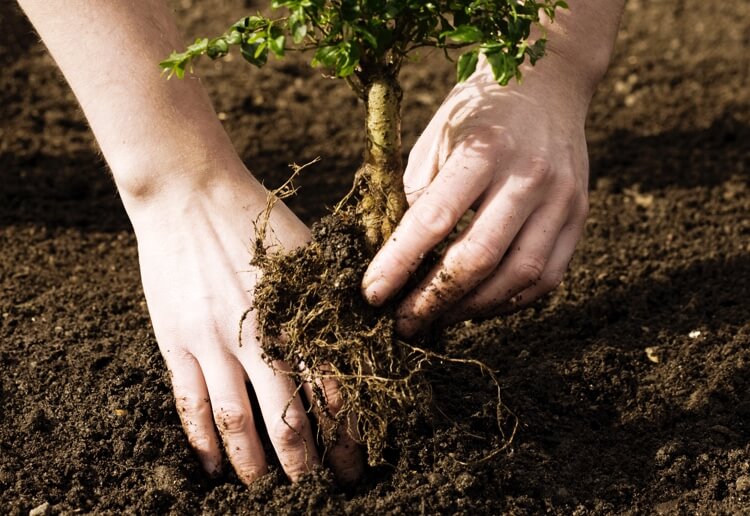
[(422, 166)]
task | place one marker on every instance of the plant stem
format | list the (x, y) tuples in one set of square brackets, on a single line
[(380, 179)]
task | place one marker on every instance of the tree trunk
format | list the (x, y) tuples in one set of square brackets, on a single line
[(382, 202)]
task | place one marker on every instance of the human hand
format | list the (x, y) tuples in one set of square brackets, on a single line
[(192, 204), (194, 250), (517, 155)]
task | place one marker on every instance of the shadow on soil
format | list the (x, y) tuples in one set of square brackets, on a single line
[(568, 376), (704, 157), (79, 185)]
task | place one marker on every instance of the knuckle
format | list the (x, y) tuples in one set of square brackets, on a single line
[(334, 400), (414, 186), (529, 271), (412, 195), (231, 419), (539, 172), (289, 430), (477, 256), (189, 406), (551, 280), (435, 218), (413, 189), (493, 140)]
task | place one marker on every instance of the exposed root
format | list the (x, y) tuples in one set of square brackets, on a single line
[(313, 317)]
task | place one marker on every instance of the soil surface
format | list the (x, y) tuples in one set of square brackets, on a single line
[(631, 383)]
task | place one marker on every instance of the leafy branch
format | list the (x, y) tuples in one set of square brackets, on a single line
[(361, 37)]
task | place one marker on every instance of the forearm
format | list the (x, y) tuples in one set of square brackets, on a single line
[(156, 135)]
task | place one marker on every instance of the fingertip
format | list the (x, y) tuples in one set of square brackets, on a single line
[(346, 459), (407, 326), (348, 476), (211, 462), (377, 292), (214, 471)]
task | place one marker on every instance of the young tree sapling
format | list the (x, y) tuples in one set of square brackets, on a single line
[(311, 297)]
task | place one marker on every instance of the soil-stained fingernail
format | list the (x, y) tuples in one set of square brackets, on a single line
[(375, 292), (369, 277), (212, 467)]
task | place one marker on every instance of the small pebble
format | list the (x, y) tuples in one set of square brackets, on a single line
[(435, 478), (464, 482), (743, 484), (652, 353), (40, 510)]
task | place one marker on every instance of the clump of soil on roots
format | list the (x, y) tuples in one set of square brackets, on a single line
[(313, 317)]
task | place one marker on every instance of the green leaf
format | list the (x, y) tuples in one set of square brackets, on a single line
[(299, 33), (277, 45), (348, 60), (255, 52), (466, 65), (298, 25), (179, 69), (503, 67), (217, 47), (250, 23), (199, 47), (234, 37), (368, 36), (464, 34), (343, 58), (325, 56)]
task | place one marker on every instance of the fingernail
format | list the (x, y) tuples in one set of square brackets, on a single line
[(368, 278), (375, 291), (212, 467)]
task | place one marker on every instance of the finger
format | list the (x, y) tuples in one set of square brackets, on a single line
[(550, 278), (477, 252), (555, 269), (233, 417), (283, 413), (194, 409), (432, 217), (344, 455), (524, 265), (422, 166)]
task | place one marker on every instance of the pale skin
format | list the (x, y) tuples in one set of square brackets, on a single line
[(517, 155), (192, 203)]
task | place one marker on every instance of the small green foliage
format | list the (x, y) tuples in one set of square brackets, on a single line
[(467, 63), (369, 37)]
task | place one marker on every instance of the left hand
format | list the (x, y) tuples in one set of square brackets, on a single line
[(518, 156)]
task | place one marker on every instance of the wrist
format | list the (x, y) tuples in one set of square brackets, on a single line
[(581, 40), (174, 192)]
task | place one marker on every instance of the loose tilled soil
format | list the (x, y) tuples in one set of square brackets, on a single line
[(605, 426)]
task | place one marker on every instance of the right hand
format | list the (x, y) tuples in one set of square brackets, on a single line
[(517, 154), (194, 250)]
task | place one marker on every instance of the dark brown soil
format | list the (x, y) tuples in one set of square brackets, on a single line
[(87, 416)]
